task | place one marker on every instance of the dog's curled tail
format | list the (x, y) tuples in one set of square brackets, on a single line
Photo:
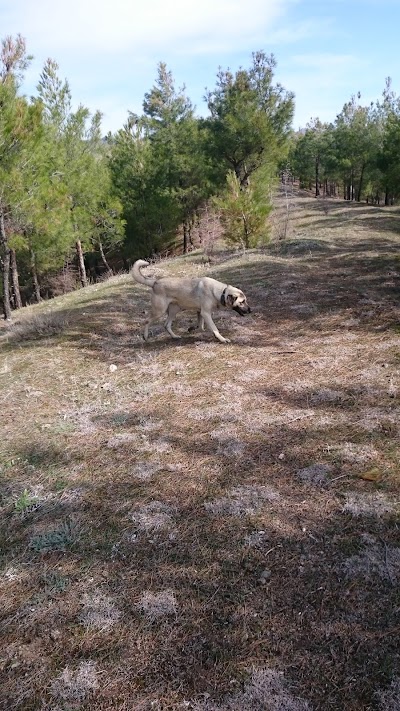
[(138, 276)]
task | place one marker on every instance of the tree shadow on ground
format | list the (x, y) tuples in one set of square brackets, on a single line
[(319, 615)]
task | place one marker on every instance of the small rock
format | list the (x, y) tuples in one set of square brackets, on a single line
[(113, 368), (265, 576)]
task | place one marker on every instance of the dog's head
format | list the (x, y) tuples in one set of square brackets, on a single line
[(236, 300)]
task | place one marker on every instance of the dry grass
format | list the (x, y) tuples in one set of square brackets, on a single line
[(188, 525), (389, 699), (157, 605), (73, 686), (38, 326), (265, 690)]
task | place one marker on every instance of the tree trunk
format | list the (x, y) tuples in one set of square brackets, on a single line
[(317, 177), (36, 286), (191, 233), (246, 237), (199, 226), (15, 280), (386, 196), (103, 258), (185, 237), (5, 262), (360, 184), (81, 263)]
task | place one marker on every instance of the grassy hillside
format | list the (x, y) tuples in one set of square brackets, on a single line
[(191, 525)]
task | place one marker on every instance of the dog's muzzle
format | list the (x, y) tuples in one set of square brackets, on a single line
[(242, 311)]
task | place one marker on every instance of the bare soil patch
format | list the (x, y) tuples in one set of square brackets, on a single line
[(191, 525)]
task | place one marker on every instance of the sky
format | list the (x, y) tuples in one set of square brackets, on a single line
[(326, 50)]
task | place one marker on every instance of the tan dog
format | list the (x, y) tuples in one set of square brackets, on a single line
[(171, 295)]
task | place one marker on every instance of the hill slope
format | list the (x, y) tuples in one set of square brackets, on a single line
[(195, 525)]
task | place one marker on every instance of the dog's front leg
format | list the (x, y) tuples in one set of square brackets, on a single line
[(199, 324), (211, 325)]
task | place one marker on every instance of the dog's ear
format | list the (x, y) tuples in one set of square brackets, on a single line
[(230, 300)]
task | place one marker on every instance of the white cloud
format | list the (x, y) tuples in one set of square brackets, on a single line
[(102, 26), (109, 51)]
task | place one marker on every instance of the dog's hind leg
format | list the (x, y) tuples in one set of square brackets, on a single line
[(211, 325), (173, 309), (149, 322), (157, 311)]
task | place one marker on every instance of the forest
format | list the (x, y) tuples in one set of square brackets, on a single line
[(77, 205)]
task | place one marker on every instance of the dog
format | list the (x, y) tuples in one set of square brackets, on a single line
[(171, 295)]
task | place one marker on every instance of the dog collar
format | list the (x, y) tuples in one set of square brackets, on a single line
[(223, 300)]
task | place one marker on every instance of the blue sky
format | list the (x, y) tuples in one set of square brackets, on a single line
[(326, 50)]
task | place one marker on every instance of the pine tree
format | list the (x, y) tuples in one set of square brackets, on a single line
[(80, 168), (159, 168), (244, 212), (20, 131), (248, 136), (250, 119)]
